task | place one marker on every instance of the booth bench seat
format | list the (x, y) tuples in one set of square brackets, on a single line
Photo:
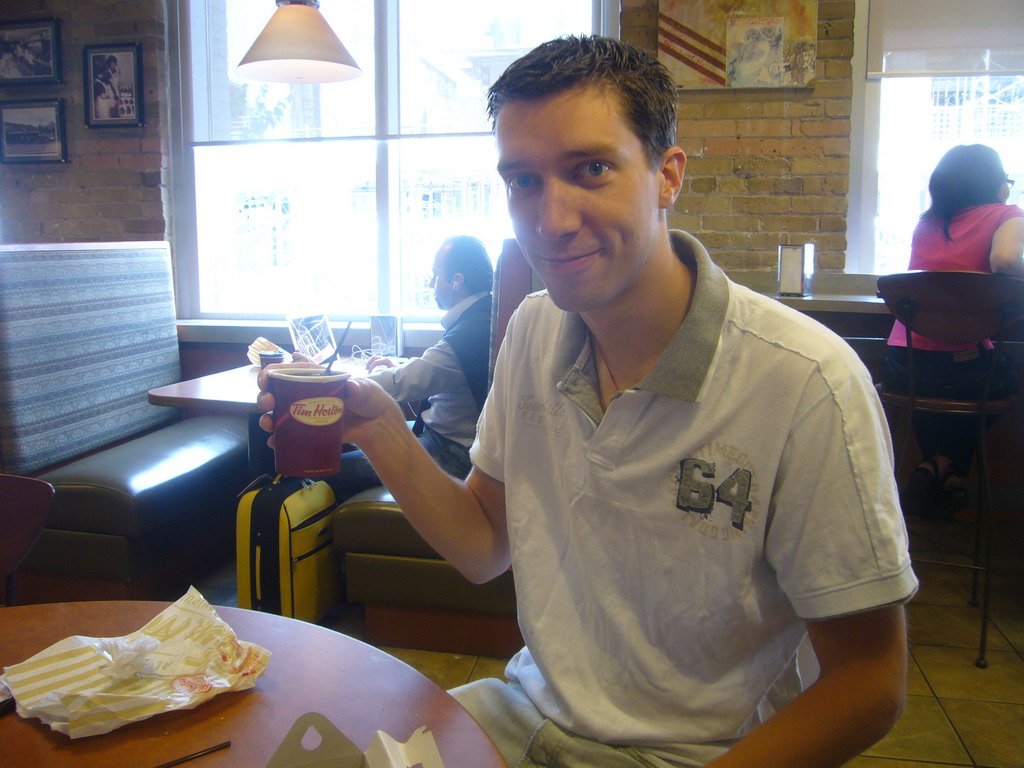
[(143, 518), (143, 500), (412, 597)]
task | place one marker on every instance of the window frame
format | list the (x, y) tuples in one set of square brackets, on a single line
[(184, 229), (864, 118), (865, 135)]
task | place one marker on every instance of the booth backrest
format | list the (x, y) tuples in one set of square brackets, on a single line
[(513, 279), (86, 329)]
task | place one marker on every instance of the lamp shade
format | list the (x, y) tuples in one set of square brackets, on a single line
[(298, 46)]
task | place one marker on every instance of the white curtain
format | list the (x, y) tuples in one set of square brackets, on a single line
[(945, 37)]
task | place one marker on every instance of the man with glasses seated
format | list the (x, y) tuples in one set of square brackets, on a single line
[(450, 378), (969, 227)]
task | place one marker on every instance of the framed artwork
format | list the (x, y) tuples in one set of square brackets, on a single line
[(29, 52), (112, 79), (32, 131), (709, 44)]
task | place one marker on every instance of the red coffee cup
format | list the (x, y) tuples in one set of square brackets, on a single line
[(268, 356), (307, 421)]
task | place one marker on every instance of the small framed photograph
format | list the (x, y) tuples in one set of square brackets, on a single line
[(29, 52), (112, 76), (32, 131)]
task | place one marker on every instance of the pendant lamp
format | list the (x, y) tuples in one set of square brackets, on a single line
[(298, 46)]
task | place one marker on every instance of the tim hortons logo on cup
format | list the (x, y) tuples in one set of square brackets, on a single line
[(317, 411)]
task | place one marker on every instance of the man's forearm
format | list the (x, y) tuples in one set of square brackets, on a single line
[(458, 519), (825, 727), (435, 371), (852, 705)]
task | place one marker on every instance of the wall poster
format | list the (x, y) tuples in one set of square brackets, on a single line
[(112, 78), (30, 52), (739, 43), (32, 131)]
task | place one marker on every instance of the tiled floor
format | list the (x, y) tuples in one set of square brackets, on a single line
[(956, 715)]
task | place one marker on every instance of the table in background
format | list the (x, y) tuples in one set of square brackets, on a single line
[(232, 391), (312, 669), (229, 392)]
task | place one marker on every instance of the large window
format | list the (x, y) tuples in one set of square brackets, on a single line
[(927, 76), (333, 198), (921, 118)]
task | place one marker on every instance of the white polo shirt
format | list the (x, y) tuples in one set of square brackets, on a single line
[(667, 551)]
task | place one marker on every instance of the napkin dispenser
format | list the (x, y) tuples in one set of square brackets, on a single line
[(386, 335), (796, 268)]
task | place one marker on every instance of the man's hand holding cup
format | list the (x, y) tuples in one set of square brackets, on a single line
[(294, 394), (307, 410)]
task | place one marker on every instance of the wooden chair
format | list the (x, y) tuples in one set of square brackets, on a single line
[(958, 308), (24, 505)]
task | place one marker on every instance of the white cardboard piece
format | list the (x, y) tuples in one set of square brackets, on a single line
[(330, 748)]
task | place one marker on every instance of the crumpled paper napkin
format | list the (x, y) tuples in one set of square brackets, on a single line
[(84, 686)]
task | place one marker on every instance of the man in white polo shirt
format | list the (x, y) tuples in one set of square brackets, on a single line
[(686, 478)]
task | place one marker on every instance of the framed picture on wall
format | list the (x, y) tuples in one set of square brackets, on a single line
[(29, 52), (112, 78), (710, 44), (32, 131)]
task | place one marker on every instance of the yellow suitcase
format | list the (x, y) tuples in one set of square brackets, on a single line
[(284, 548)]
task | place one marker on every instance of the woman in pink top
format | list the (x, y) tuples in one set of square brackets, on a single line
[(968, 228)]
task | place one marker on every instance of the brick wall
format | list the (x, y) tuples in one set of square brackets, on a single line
[(766, 167), (114, 185)]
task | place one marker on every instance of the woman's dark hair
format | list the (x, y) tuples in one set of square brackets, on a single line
[(966, 176), (645, 86)]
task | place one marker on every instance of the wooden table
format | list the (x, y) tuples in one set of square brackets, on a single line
[(234, 391), (231, 392), (312, 669)]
